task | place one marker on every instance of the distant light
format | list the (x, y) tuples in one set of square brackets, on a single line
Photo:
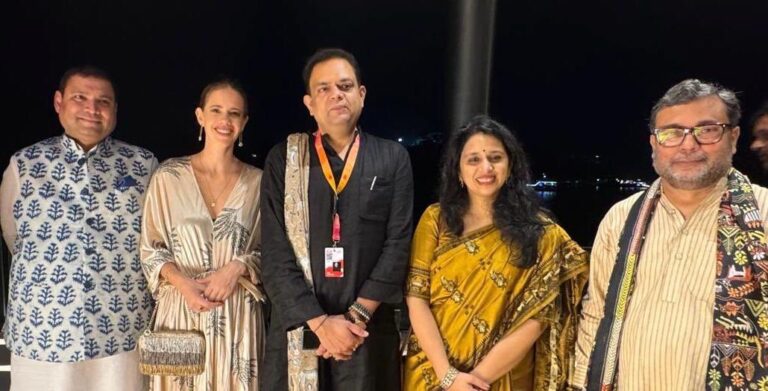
[(399, 139), (597, 156)]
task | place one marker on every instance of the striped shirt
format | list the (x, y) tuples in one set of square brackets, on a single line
[(667, 333)]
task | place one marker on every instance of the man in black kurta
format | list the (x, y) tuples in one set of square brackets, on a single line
[(375, 209)]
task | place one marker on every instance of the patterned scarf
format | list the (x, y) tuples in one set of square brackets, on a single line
[(302, 364), (738, 354)]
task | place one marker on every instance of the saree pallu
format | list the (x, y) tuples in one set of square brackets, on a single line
[(478, 296)]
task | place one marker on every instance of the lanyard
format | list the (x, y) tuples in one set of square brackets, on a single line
[(349, 164)]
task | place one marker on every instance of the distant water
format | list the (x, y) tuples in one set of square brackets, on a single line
[(579, 210)]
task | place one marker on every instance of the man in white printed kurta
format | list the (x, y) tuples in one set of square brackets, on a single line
[(70, 208)]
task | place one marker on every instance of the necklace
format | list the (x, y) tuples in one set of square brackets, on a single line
[(208, 188)]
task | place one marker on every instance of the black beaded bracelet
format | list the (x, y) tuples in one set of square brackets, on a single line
[(361, 310)]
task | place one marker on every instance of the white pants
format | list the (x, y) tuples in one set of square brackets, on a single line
[(114, 373)]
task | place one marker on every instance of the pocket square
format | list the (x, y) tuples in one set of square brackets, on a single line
[(125, 182)]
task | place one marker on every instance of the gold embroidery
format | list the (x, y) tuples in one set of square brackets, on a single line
[(472, 247), (449, 285), (498, 279), (418, 283), (429, 376), (457, 296), (302, 364), (480, 325), (452, 288)]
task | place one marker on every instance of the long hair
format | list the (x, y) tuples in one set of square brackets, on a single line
[(516, 211)]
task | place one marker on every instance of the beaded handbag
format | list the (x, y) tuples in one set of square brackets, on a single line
[(178, 352), (171, 352)]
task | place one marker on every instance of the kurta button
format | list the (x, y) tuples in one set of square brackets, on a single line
[(89, 221), (679, 256), (88, 285), (81, 161)]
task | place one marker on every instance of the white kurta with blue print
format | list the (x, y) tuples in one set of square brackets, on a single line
[(77, 291)]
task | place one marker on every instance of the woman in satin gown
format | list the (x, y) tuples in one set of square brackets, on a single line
[(200, 247)]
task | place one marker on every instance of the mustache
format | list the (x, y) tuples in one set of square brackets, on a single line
[(689, 158)]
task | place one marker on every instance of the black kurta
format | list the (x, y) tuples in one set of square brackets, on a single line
[(375, 234)]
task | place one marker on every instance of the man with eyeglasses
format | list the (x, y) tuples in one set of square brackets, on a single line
[(678, 290)]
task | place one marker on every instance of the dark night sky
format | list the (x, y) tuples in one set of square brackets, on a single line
[(574, 79), (582, 76)]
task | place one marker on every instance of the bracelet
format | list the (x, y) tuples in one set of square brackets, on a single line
[(320, 325), (355, 318), (350, 317), (449, 378), (360, 309)]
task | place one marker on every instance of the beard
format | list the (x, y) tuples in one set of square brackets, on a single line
[(708, 172)]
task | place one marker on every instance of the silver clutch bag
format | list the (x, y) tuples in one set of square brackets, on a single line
[(177, 352), (171, 352)]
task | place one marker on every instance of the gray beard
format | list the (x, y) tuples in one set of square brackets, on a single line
[(707, 178)]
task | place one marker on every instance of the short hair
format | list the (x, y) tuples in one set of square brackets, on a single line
[(223, 82), (690, 90), (761, 112), (326, 54), (86, 71)]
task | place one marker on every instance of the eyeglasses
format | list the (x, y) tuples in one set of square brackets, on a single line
[(703, 134)]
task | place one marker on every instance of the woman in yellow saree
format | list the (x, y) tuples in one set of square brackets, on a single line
[(493, 285)]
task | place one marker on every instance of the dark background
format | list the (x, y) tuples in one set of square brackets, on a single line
[(576, 80)]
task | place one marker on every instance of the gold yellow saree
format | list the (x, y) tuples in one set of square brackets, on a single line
[(478, 296)]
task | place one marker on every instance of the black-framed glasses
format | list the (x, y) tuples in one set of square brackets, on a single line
[(703, 134)]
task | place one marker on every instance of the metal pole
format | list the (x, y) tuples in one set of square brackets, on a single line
[(474, 55)]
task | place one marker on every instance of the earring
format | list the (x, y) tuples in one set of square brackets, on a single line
[(461, 183), (200, 136), (240, 143)]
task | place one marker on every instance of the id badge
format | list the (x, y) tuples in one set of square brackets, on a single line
[(334, 262)]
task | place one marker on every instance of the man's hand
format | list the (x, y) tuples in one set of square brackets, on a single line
[(339, 337)]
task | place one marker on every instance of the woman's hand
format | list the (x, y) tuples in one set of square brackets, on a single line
[(193, 293), (222, 283), (468, 382)]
